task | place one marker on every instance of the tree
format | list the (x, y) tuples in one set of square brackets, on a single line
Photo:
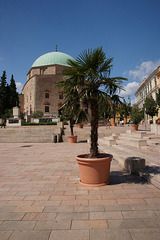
[(8, 95), (13, 100), (3, 99), (90, 73), (124, 110), (136, 115), (7, 114), (151, 106), (158, 98)]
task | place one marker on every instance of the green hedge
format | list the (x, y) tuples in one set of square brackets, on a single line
[(38, 124), (65, 123)]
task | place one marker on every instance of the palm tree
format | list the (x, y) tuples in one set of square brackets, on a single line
[(71, 108), (115, 101), (89, 75)]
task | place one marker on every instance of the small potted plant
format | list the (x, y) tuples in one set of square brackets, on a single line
[(71, 110), (80, 125), (136, 117), (72, 138)]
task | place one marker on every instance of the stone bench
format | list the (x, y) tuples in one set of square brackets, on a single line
[(134, 142), (136, 134)]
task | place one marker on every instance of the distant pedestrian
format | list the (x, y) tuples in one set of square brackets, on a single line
[(108, 123), (3, 124), (122, 123)]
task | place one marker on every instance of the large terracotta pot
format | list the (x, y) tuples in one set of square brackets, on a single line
[(94, 171), (80, 125), (72, 139), (114, 124), (134, 127)]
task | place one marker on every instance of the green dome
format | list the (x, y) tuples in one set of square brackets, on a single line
[(52, 58)]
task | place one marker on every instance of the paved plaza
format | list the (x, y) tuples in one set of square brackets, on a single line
[(41, 198)]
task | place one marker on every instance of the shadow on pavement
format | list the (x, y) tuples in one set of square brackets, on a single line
[(153, 169), (151, 172), (118, 177)]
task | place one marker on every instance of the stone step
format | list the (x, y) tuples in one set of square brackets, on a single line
[(121, 153), (133, 132), (29, 134), (139, 136), (107, 141), (152, 148), (130, 151), (134, 142)]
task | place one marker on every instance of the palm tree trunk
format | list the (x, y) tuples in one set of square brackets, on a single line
[(94, 128), (71, 127)]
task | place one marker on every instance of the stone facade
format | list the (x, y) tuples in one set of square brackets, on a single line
[(40, 93), (149, 86), (21, 102)]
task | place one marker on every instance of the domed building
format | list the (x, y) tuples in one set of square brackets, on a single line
[(40, 93)]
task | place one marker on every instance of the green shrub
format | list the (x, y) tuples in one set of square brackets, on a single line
[(65, 123)]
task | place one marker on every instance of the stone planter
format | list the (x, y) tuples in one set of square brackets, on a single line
[(134, 164), (134, 127), (72, 139), (94, 171)]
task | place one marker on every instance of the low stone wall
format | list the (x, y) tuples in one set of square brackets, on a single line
[(155, 128), (13, 122), (60, 130), (38, 120)]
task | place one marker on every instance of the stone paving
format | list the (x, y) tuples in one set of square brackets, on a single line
[(41, 198)]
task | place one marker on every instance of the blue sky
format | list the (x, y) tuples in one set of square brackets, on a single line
[(128, 30)]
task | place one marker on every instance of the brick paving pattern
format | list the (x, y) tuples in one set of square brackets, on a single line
[(41, 198)]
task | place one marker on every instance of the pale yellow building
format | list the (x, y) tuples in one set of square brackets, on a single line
[(149, 86)]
